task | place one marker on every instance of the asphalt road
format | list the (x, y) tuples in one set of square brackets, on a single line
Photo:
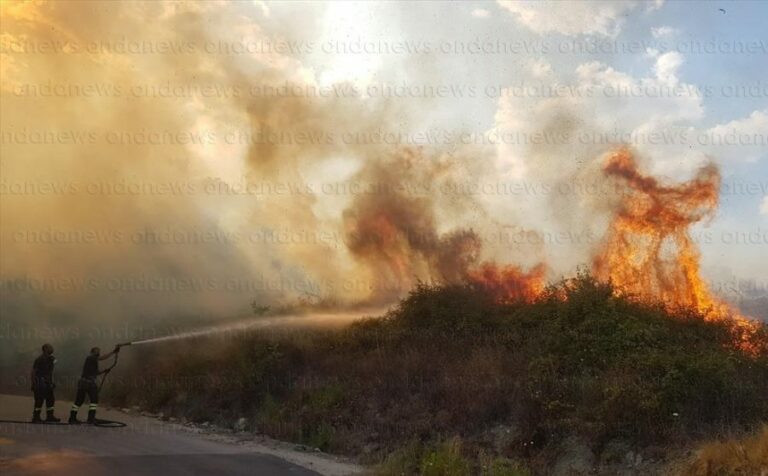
[(143, 447)]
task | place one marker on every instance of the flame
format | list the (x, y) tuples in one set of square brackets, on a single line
[(510, 283), (396, 235), (648, 251), (380, 237)]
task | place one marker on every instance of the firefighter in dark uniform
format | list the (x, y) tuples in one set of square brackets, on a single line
[(42, 385), (87, 385)]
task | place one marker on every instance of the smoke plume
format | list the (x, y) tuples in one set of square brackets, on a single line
[(153, 166)]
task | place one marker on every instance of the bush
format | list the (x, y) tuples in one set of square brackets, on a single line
[(504, 467), (446, 460)]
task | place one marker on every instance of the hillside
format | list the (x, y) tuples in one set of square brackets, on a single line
[(451, 378)]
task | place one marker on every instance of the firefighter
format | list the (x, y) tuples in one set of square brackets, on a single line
[(87, 384), (42, 385)]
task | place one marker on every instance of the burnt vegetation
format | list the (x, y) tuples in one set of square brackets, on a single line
[(451, 363)]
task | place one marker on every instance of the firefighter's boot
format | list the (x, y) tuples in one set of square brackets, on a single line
[(36, 416), (91, 417), (49, 418)]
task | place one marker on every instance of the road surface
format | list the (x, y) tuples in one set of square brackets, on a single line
[(144, 447)]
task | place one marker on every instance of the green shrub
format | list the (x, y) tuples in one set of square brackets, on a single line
[(504, 467), (401, 462), (445, 460)]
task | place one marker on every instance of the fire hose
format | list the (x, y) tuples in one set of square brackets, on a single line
[(110, 423), (114, 363)]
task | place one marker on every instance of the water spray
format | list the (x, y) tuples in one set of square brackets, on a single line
[(259, 322)]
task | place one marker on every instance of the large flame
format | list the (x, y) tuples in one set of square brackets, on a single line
[(648, 251)]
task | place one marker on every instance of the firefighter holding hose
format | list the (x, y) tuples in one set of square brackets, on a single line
[(87, 384)]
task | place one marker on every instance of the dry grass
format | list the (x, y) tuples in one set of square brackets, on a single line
[(746, 456)]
